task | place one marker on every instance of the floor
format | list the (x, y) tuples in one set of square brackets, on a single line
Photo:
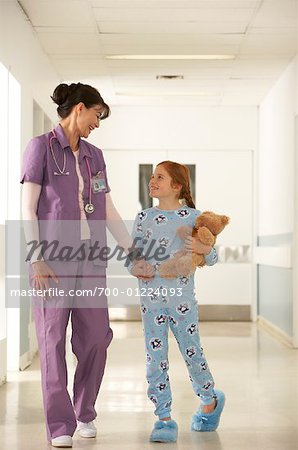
[(258, 374)]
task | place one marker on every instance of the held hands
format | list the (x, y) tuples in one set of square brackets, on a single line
[(195, 246), (142, 270), (41, 274)]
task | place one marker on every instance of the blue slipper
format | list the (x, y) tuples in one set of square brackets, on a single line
[(164, 431), (209, 421)]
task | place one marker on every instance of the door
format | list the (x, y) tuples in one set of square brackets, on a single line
[(224, 184)]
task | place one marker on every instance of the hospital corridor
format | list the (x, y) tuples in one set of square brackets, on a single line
[(149, 224), (258, 374)]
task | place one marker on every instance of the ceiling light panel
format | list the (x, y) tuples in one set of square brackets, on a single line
[(203, 4), (172, 57), (190, 68), (147, 93)]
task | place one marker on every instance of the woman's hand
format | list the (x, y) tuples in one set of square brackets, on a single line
[(142, 270), (193, 245), (41, 274)]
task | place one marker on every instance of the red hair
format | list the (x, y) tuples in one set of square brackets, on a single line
[(180, 175)]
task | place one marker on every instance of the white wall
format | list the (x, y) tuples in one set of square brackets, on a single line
[(222, 143), (179, 128), (276, 156), (21, 53), (276, 182)]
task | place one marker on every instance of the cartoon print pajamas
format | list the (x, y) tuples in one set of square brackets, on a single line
[(170, 303)]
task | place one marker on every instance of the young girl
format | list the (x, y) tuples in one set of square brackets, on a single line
[(172, 303)]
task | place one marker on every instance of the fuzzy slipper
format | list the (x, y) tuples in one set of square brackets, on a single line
[(210, 421), (164, 431)]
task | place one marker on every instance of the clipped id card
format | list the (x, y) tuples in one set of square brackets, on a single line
[(98, 182)]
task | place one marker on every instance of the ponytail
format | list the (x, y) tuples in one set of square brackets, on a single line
[(186, 195)]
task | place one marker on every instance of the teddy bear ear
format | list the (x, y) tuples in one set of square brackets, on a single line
[(225, 220)]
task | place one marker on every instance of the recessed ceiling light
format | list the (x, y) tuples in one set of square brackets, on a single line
[(168, 93), (170, 57)]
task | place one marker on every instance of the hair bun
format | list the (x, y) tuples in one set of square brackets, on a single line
[(66, 96), (60, 94)]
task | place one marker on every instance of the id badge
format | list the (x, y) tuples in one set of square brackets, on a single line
[(98, 183)]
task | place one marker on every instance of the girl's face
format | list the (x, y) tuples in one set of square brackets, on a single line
[(161, 185), (88, 118)]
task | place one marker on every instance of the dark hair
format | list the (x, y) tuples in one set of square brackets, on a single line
[(67, 96), (180, 175)]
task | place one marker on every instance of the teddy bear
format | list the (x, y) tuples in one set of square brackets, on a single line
[(207, 226)]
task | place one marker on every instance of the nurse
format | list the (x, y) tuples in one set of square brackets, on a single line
[(65, 182)]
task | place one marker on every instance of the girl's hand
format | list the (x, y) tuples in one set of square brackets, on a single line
[(41, 274), (195, 246), (143, 270)]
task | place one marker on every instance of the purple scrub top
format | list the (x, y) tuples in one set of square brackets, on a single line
[(59, 197)]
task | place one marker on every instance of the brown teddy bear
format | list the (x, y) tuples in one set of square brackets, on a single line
[(207, 226)]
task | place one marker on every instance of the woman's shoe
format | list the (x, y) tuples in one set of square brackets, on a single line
[(209, 421), (87, 430), (62, 441), (164, 431)]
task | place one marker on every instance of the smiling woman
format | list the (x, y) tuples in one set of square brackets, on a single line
[(81, 105), (66, 200)]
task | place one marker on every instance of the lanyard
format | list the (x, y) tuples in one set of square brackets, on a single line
[(89, 207)]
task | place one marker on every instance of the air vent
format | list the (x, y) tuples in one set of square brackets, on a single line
[(169, 77)]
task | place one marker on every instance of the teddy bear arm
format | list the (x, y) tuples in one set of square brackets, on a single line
[(184, 265), (198, 260), (205, 236), (168, 269)]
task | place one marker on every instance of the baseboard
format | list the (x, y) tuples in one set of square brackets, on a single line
[(275, 331), (33, 345), (214, 313), (3, 361), (25, 361), (225, 313)]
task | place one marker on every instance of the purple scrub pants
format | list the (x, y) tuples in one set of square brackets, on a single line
[(91, 335)]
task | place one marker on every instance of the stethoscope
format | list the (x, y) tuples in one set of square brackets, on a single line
[(89, 207)]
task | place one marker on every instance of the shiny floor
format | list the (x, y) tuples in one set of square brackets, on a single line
[(258, 374)]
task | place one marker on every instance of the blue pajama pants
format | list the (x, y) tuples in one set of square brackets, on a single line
[(180, 314)]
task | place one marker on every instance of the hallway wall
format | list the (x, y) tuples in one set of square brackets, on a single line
[(222, 143), (23, 56), (276, 176), (185, 129), (178, 127)]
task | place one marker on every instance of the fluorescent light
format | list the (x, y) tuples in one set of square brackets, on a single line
[(203, 57), (168, 93)]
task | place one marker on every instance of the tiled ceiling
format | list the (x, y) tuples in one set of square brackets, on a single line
[(78, 35)]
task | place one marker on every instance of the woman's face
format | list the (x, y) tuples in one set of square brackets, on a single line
[(88, 118)]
